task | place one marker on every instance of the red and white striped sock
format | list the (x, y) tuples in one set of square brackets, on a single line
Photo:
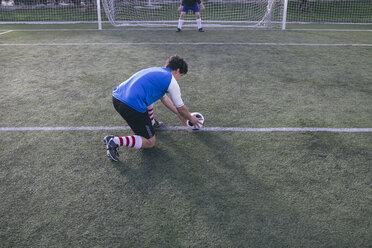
[(150, 110), (134, 141)]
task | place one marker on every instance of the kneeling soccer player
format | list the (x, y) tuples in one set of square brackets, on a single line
[(133, 100)]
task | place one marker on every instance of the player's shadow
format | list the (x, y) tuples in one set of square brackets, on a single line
[(213, 174), (149, 169)]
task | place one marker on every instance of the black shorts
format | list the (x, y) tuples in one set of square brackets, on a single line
[(139, 122)]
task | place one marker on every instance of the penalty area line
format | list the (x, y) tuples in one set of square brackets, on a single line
[(205, 129)]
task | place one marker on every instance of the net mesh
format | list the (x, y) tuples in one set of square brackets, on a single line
[(217, 12), (330, 11), (48, 11)]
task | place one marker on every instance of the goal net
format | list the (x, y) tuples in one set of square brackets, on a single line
[(330, 11), (258, 13), (48, 11)]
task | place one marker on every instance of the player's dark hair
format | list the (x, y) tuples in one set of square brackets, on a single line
[(175, 62)]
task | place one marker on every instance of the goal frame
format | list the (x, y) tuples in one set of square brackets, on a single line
[(281, 23)]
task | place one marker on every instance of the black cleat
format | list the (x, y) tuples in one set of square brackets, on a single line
[(201, 30), (111, 148), (158, 124), (178, 30)]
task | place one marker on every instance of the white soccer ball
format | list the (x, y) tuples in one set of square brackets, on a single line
[(198, 115)]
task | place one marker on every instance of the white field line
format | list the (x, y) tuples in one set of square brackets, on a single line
[(166, 29), (180, 128), (183, 43), (6, 32)]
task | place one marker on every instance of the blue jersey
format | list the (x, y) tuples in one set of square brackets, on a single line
[(144, 88)]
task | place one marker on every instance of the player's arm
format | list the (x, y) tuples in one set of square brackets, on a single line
[(169, 104), (176, 105), (181, 6), (182, 112), (201, 5), (186, 114)]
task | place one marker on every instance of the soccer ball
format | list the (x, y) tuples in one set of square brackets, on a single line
[(191, 126)]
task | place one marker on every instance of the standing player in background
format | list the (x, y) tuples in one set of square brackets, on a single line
[(193, 5), (134, 98)]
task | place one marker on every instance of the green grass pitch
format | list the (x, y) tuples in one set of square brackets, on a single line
[(205, 189)]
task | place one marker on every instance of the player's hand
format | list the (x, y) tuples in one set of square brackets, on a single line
[(197, 122)]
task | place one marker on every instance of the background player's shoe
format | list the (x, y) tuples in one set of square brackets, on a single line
[(201, 30), (178, 30), (158, 124), (111, 148)]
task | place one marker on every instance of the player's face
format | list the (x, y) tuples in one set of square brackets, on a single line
[(177, 75)]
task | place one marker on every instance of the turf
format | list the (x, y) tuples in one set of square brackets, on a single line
[(206, 189)]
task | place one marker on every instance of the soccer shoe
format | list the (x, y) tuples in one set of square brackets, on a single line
[(158, 124), (178, 30), (201, 30), (111, 148), (107, 139)]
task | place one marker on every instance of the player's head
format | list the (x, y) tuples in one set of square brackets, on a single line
[(175, 62)]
